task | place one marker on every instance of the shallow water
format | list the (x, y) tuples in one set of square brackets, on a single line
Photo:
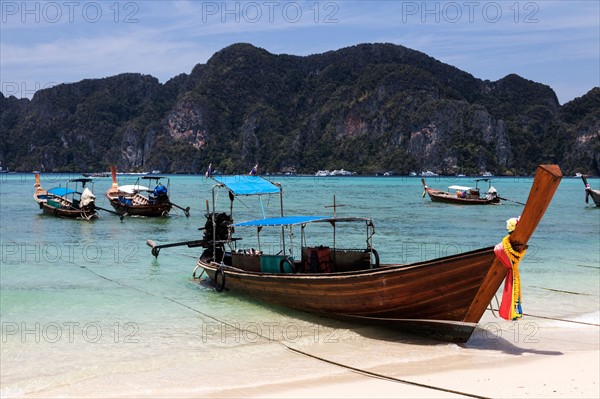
[(86, 308)]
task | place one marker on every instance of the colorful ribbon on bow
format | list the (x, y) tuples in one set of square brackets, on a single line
[(510, 307)]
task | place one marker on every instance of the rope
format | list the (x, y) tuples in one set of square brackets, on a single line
[(384, 377), (345, 366), (507, 199), (562, 291), (558, 319), (566, 321), (494, 313)]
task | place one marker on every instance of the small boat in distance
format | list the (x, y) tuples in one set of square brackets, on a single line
[(139, 200), (442, 298), (428, 173), (75, 200), (341, 172), (96, 174), (590, 192), (463, 195), (335, 172)]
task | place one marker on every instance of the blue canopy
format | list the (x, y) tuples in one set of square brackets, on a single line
[(247, 185), (297, 219), (281, 221), (61, 191)]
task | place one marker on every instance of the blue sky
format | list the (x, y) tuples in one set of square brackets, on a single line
[(44, 43)]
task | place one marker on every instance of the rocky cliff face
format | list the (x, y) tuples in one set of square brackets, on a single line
[(368, 108)]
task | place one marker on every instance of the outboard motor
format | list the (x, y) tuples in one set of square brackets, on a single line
[(491, 194), (160, 193), (222, 222)]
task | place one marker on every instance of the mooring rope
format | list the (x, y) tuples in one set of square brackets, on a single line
[(385, 377), (553, 318), (297, 351)]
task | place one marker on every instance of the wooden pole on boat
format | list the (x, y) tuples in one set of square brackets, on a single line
[(113, 172), (109, 211), (587, 187), (186, 211), (155, 249), (547, 179), (334, 206)]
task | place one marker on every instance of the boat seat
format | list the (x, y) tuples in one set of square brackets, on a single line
[(245, 261), (316, 259), (139, 199), (53, 203), (338, 260)]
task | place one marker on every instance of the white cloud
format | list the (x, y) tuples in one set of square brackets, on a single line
[(165, 39)]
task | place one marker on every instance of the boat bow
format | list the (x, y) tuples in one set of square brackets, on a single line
[(547, 179)]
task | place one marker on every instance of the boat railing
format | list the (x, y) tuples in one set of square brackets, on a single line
[(259, 262), (313, 260), (326, 259)]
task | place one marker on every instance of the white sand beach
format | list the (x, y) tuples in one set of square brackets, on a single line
[(569, 375), (554, 360)]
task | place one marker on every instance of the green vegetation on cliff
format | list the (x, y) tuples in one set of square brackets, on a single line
[(367, 108)]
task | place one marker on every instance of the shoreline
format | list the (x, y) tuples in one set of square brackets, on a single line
[(561, 362), (571, 375)]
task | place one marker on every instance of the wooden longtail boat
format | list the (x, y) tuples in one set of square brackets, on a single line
[(590, 192), (442, 298), (139, 200), (68, 201), (463, 195)]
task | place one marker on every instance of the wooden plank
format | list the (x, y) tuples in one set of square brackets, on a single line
[(547, 179)]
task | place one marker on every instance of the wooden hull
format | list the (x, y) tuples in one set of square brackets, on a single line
[(155, 209), (140, 210), (432, 297), (595, 195), (148, 210), (41, 197), (443, 298), (69, 213), (449, 198), (590, 192)]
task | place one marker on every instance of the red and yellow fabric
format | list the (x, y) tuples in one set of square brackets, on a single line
[(510, 307)]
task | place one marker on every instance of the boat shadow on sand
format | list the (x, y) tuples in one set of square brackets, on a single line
[(491, 336)]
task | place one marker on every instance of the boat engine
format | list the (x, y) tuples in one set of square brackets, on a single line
[(222, 222)]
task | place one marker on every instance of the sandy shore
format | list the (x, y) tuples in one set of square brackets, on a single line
[(533, 360), (561, 361), (527, 360), (569, 375)]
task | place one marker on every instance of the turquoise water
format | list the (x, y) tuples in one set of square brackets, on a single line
[(85, 301)]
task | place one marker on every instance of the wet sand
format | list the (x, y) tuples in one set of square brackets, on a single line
[(533, 359)]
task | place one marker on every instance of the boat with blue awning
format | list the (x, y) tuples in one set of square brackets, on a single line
[(75, 200), (140, 200), (335, 271)]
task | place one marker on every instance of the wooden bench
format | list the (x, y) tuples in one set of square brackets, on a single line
[(340, 260), (139, 199)]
